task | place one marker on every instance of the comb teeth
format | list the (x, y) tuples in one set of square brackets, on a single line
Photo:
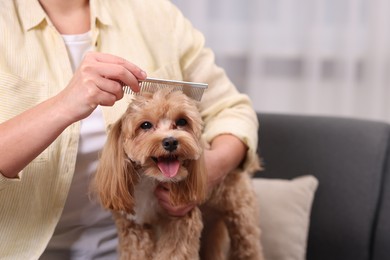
[(191, 89)]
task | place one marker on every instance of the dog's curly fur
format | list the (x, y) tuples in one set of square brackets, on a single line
[(158, 139)]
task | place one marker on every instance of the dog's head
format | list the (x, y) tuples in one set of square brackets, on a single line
[(159, 136)]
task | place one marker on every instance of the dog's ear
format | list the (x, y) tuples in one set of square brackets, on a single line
[(115, 177), (194, 187)]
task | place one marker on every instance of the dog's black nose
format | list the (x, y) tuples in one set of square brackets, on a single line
[(170, 143)]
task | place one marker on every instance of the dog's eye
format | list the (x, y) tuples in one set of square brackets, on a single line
[(181, 122), (146, 125)]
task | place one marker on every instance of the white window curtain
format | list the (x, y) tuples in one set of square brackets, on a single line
[(327, 57)]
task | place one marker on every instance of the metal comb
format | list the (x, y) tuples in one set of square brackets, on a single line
[(191, 89)]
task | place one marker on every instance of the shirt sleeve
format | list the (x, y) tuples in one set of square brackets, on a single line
[(224, 109)]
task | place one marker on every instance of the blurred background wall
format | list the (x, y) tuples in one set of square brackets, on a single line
[(323, 57)]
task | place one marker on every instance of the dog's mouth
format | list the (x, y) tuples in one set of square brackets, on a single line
[(169, 166)]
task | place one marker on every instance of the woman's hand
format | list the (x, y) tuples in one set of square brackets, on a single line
[(98, 81), (225, 154), (162, 194)]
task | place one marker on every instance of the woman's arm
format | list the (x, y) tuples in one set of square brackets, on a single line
[(96, 82), (226, 153)]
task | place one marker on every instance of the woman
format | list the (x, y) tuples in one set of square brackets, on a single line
[(60, 67)]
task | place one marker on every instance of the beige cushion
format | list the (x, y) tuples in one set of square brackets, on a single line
[(285, 207)]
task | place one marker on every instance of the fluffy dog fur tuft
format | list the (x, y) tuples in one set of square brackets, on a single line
[(158, 140)]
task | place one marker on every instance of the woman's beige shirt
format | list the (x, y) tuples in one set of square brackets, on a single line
[(34, 66)]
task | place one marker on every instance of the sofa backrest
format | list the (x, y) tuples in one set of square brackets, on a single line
[(349, 158)]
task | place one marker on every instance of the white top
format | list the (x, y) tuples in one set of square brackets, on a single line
[(77, 45), (85, 230)]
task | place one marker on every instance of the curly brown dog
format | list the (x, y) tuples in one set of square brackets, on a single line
[(157, 140)]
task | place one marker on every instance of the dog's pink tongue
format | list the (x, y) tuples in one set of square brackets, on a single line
[(168, 167)]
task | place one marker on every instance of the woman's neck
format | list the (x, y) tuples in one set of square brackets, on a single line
[(70, 16)]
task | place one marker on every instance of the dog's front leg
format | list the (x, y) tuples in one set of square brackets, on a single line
[(180, 237), (135, 241), (239, 207)]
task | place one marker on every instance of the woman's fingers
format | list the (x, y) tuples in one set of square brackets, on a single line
[(120, 74), (119, 69), (162, 194), (111, 87), (108, 58)]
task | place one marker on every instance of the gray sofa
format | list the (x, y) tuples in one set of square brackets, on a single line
[(350, 218)]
